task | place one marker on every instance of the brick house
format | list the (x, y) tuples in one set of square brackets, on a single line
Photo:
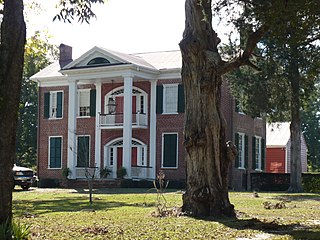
[(278, 148), (108, 109)]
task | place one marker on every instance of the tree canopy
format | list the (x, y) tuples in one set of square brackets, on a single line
[(38, 54), (288, 57), (12, 48)]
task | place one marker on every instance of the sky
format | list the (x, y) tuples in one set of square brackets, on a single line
[(128, 26)]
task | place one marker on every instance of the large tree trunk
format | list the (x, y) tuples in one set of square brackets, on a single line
[(295, 131), (13, 35), (208, 157)]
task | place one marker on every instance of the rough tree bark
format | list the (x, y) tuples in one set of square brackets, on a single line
[(207, 158), (295, 130), (13, 37), (208, 155)]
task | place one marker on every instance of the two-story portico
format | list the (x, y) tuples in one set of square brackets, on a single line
[(107, 104)]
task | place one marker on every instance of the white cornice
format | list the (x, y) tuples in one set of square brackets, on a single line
[(174, 73)]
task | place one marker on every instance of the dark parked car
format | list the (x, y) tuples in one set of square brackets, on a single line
[(23, 177)]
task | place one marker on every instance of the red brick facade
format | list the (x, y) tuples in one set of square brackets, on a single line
[(165, 124)]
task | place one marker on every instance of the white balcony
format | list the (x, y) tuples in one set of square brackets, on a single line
[(115, 120), (141, 172)]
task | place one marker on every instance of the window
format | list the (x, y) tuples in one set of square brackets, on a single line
[(170, 98), (170, 150), (142, 153), (83, 151), (84, 103), (98, 61), (142, 104), (53, 103), (55, 152), (111, 156), (256, 153), (241, 141)]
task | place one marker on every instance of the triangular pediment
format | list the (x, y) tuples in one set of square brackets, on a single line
[(96, 57)]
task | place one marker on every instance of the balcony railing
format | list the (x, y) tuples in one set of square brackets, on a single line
[(141, 172), (116, 120)]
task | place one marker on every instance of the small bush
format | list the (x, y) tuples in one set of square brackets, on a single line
[(311, 183), (48, 183), (121, 172), (105, 172), (66, 172), (14, 230)]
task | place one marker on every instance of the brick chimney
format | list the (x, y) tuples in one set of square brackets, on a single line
[(65, 55)]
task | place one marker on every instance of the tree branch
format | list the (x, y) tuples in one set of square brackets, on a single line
[(244, 58)]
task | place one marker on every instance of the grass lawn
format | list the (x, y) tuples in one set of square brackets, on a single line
[(126, 214)]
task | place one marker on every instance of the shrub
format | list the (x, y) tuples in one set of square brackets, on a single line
[(48, 183), (105, 172), (311, 183), (121, 172), (66, 172), (14, 231)]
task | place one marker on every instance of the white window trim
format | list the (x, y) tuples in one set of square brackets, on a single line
[(142, 93), (89, 149), (50, 104), (78, 105), (258, 164), (109, 156), (49, 151), (164, 98), (242, 162), (162, 149), (139, 155)]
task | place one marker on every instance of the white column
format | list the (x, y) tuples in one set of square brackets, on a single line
[(153, 125), (127, 124), (72, 127), (97, 143)]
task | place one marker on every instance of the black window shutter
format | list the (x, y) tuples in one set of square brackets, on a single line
[(263, 149), (59, 104), (58, 153), (93, 102), (254, 153), (246, 152), (236, 140), (55, 152), (83, 152), (180, 98), (52, 152), (159, 98), (170, 150), (46, 105)]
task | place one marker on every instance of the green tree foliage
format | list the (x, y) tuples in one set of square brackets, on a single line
[(38, 54), (12, 44), (79, 9), (289, 59), (311, 129)]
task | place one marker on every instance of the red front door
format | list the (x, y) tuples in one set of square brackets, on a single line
[(119, 157), (134, 161), (134, 156)]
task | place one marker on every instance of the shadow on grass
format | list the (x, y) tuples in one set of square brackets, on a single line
[(66, 204), (121, 190), (299, 197), (296, 231)]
